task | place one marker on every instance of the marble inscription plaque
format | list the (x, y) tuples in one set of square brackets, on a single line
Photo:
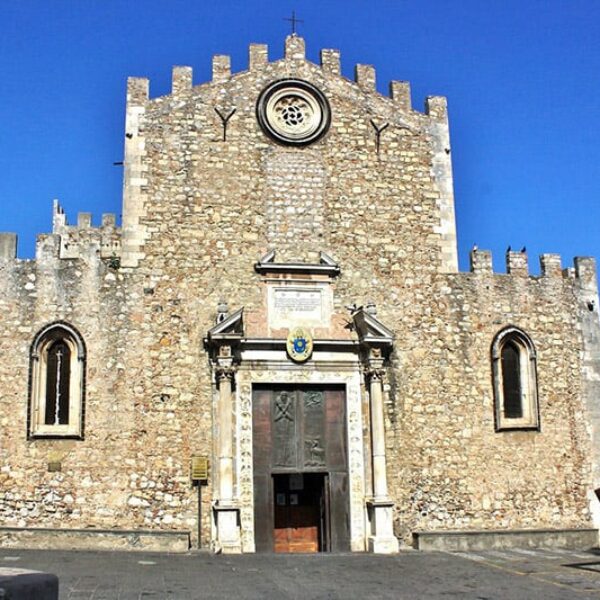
[(290, 307), (299, 301)]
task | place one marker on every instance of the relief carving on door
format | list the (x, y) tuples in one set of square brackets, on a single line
[(314, 428), (284, 429)]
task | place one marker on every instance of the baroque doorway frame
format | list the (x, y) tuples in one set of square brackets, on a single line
[(359, 365), (273, 374)]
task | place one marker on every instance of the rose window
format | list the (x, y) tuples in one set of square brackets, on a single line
[(293, 112)]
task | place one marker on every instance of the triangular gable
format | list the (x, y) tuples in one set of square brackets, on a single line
[(327, 260), (231, 326), (269, 257), (371, 330)]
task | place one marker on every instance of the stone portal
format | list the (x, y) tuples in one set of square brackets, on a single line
[(301, 500)]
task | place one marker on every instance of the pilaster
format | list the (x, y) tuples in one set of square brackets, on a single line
[(134, 176), (441, 170), (588, 300)]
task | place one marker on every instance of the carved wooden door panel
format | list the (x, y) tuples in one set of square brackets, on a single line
[(300, 430)]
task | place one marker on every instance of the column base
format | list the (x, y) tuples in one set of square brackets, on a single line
[(382, 539), (380, 545), (227, 516)]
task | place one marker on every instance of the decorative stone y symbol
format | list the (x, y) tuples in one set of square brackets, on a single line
[(378, 132), (59, 355), (225, 120)]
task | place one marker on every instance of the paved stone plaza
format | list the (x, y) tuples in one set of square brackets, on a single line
[(485, 575)]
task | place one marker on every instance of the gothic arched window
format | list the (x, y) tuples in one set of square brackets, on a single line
[(515, 384), (57, 369)]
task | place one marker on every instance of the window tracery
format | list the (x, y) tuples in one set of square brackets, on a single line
[(292, 111), (515, 380), (57, 370)]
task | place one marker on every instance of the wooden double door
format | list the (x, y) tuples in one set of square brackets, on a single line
[(301, 499)]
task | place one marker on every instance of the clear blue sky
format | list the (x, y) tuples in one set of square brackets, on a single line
[(522, 79)]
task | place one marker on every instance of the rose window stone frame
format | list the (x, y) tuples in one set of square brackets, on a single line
[(293, 112)]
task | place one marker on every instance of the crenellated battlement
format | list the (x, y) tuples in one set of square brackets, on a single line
[(77, 240), (386, 127), (8, 246), (331, 61), (181, 80), (258, 56), (365, 77), (517, 265), (221, 68), (69, 241)]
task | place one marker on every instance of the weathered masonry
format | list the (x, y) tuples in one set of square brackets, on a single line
[(282, 299)]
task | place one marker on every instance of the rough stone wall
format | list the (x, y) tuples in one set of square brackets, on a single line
[(131, 470), (587, 295), (86, 294), (450, 468), (198, 213), (234, 189)]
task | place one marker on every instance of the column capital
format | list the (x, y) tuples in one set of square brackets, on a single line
[(224, 372), (374, 372)]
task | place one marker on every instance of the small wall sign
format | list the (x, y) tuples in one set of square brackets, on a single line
[(199, 468)]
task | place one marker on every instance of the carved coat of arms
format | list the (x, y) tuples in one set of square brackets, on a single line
[(299, 344)]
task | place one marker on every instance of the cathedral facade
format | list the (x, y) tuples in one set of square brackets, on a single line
[(275, 350)]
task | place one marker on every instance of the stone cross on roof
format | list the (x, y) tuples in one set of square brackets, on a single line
[(293, 20)]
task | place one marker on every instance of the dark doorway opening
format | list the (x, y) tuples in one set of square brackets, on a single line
[(301, 512)]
